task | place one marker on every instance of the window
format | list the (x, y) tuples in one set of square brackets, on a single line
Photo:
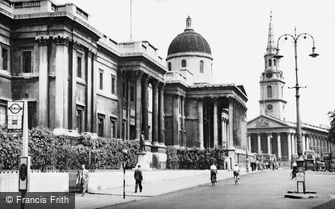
[(79, 66), (274, 62), (113, 127), (79, 120), (101, 125), (169, 66), (201, 66), (132, 94), (270, 62), (183, 63), (101, 79), (269, 91), (26, 61), (3, 115), (4, 59), (113, 84)]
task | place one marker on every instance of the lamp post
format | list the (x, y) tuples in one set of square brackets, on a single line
[(295, 38), (124, 152)]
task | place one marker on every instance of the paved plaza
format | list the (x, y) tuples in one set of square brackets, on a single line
[(259, 190)]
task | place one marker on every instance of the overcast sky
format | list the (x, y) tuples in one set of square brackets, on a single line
[(237, 33)]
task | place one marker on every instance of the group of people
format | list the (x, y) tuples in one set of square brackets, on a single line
[(213, 172), (264, 165), (83, 173)]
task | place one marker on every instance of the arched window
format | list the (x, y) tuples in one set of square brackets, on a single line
[(274, 62), (169, 66), (201, 66), (270, 63), (269, 91), (183, 63)]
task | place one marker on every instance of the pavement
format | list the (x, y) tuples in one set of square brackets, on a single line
[(114, 196)]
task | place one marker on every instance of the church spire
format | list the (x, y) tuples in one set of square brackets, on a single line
[(271, 47)]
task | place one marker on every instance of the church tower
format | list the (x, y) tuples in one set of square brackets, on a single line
[(272, 82)]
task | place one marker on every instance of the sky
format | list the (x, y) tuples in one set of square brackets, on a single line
[(237, 33)]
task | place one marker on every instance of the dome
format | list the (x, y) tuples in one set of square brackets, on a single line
[(189, 41)]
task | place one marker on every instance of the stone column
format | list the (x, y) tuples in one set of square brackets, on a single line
[(145, 127), (72, 90), (161, 139), (231, 123), (279, 145), (155, 113), (201, 124), (303, 143), (259, 143), (175, 120), (182, 125), (62, 62), (307, 142), (43, 82), (138, 103), (215, 123), (269, 142), (88, 95), (224, 130), (289, 143), (249, 143), (293, 143)]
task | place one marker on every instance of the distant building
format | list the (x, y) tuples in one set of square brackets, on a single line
[(269, 132)]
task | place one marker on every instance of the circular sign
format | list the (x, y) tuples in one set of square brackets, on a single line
[(15, 108)]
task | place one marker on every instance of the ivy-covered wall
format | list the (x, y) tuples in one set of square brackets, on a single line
[(194, 158), (49, 152)]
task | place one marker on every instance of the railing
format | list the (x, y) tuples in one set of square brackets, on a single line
[(22, 5)]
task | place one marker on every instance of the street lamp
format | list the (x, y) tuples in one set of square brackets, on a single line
[(295, 38), (124, 152)]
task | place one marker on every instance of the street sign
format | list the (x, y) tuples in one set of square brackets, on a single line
[(15, 113)]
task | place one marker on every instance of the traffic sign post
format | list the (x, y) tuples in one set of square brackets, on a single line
[(19, 117)]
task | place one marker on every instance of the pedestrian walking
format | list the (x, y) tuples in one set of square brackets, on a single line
[(138, 178), (82, 179)]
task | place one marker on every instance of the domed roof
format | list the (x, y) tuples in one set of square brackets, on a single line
[(189, 41)]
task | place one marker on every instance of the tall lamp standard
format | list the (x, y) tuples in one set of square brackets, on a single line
[(124, 152), (295, 38)]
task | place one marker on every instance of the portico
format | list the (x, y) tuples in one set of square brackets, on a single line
[(272, 136)]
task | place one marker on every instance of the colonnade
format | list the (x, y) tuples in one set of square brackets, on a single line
[(284, 143)]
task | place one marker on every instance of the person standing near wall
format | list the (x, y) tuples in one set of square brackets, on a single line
[(82, 179)]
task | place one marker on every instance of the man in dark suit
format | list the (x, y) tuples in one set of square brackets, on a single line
[(138, 178)]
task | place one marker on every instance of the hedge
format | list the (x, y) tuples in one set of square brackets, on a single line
[(195, 158), (49, 152)]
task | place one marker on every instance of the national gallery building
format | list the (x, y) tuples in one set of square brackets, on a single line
[(78, 80)]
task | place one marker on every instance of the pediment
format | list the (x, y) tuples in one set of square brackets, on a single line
[(264, 121)]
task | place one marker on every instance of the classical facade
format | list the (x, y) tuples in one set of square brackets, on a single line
[(199, 113), (78, 80), (75, 78), (269, 132)]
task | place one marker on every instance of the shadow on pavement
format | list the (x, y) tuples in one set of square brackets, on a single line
[(327, 205)]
